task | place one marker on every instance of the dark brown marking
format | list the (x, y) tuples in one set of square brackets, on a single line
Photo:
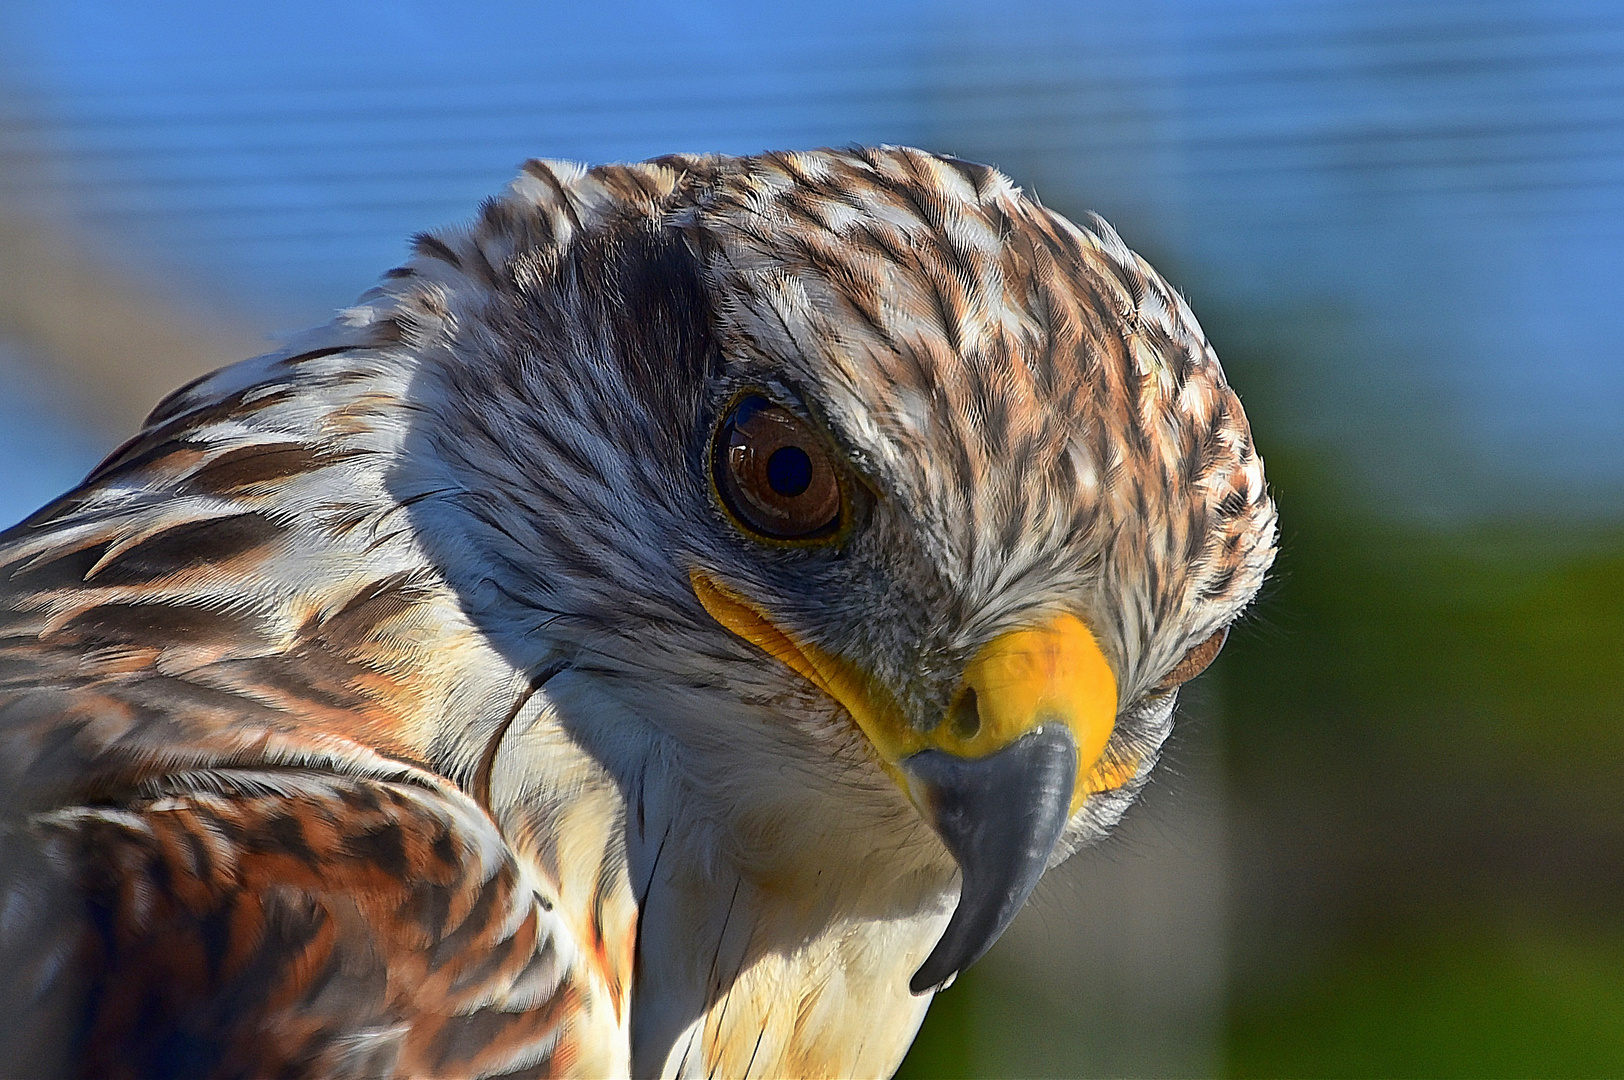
[(364, 613), (310, 676), (157, 624), (65, 570), (433, 247), (189, 545), (1232, 504), (491, 894), (541, 172), (249, 465), (285, 833), (383, 847)]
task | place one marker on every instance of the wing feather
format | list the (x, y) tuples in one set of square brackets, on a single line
[(294, 923)]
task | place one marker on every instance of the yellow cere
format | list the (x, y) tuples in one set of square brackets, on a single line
[(1021, 680)]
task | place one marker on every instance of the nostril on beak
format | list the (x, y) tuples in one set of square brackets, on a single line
[(965, 716)]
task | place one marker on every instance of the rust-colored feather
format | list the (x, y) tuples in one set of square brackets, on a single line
[(358, 715), (299, 924)]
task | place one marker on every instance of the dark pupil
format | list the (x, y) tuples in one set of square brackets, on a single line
[(789, 471)]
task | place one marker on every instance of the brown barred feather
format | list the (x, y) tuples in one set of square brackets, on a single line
[(299, 924), (358, 717)]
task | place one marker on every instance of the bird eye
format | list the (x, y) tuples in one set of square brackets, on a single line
[(774, 473), (1195, 661)]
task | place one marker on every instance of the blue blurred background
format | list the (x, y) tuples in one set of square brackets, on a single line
[(1389, 839)]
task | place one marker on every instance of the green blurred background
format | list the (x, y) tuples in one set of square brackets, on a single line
[(1388, 837)]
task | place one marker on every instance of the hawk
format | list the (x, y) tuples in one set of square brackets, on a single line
[(666, 628)]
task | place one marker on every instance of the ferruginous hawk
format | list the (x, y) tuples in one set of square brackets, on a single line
[(667, 628)]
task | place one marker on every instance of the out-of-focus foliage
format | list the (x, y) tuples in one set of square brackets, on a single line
[(1425, 732), (1467, 1001), (1425, 740), (945, 1048)]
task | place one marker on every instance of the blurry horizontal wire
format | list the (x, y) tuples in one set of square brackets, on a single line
[(1370, 35), (1416, 27), (489, 112), (660, 98), (268, 210), (635, 122), (1476, 26), (1364, 149), (1205, 64), (570, 63), (1481, 161), (431, 212), (1438, 108), (1360, 133)]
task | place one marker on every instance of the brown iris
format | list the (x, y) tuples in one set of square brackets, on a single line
[(774, 474)]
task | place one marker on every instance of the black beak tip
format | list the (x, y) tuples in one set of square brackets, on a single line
[(1000, 816), (931, 977)]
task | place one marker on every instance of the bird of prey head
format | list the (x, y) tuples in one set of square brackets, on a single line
[(789, 558)]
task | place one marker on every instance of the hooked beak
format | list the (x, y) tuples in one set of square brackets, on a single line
[(1020, 749), (1000, 817)]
